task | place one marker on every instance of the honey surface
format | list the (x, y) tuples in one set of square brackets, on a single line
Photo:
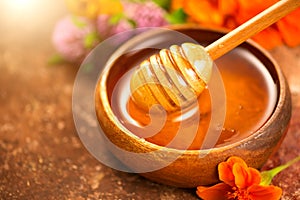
[(250, 99)]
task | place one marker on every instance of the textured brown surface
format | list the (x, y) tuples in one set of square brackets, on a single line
[(41, 156)]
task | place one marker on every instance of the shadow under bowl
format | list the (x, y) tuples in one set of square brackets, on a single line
[(191, 168)]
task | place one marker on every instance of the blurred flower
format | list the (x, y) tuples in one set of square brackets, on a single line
[(232, 13), (95, 20), (289, 28), (86, 8), (201, 11), (92, 8), (107, 27), (239, 182), (269, 38), (145, 14), (73, 37), (135, 15)]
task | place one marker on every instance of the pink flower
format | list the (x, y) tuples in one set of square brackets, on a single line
[(106, 28), (135, 15), (146, 14), (69, 38)]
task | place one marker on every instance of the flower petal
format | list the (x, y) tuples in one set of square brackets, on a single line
[(234, 159), (240, 175), (227, 7), (268, 38), (289, 28), (245, 176), (204, 12), (258, 192), (248, 9), (254, 176), (216, 192), (177, 4), (225, 169), (225, 173)]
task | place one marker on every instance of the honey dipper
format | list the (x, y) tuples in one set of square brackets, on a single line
[(174, 77)]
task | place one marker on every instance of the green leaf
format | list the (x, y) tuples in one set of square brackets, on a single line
[(78, 22), (177, 17), (56, 59), (165, 4), (267, 176), (90, 40), (132, 22), (115, 18)]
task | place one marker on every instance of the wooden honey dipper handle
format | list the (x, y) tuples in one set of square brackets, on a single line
[(251, 27), (174, 78)]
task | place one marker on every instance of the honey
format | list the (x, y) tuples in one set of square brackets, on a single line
[(250, 98)]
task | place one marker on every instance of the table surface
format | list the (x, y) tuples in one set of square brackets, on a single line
[(41, 156)]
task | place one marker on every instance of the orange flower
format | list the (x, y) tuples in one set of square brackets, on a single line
[(289, 28), (228, 7), (272, 33), (239, 182), (248, 9), (200, 11), (232, 13), (197, 10), (176, 4)]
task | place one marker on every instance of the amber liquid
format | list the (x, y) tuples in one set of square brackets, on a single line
[(251, 96)]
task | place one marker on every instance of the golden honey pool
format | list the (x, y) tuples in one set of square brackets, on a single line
[(247, 105)]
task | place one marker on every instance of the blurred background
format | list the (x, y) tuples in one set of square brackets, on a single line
[(41, 156)]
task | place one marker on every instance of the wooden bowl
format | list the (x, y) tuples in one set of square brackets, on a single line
[(191, 168)]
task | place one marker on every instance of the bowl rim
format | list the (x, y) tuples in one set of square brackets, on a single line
[(282, 87)]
